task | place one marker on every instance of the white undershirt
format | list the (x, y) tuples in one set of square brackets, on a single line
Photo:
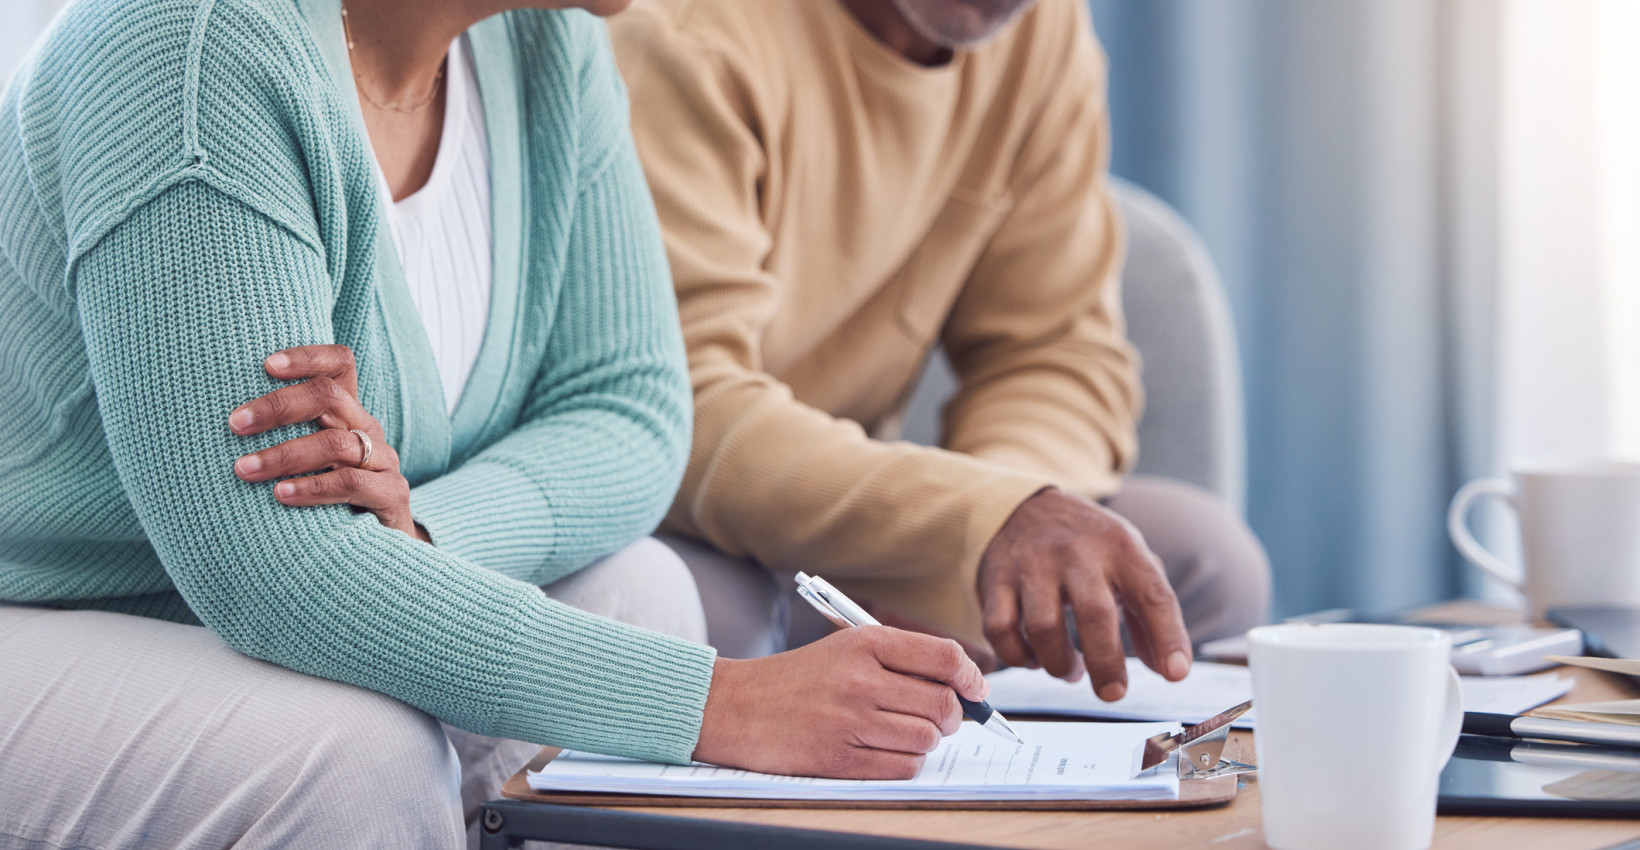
[(442, 231)]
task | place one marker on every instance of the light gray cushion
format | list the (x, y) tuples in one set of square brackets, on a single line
[(1178, 318)]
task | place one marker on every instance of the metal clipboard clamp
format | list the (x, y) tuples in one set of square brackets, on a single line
[(1200, 747)]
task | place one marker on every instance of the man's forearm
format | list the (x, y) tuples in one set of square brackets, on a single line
[(793, 488)]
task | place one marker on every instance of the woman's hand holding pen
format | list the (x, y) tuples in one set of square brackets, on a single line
[(350, 454), (864, 703)]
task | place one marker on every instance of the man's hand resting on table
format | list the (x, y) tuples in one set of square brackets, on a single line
[(1058, 550), (863, 703)]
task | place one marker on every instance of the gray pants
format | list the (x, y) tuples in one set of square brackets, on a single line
[(1217, 567), (120, 731)]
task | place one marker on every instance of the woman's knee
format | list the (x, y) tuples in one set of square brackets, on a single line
[(288, 759), (389, 762), (645, 584)]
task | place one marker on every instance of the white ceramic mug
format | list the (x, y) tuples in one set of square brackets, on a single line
[(1355, 723), (1579, 531)]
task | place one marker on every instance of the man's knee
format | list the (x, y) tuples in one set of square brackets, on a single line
[(646, 584), (1217, 566)]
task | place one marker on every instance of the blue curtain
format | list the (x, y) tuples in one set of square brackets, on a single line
[(1313, 145)]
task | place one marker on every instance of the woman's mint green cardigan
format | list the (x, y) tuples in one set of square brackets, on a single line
[(186, 188)]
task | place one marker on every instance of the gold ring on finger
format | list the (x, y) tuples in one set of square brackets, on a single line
[(364, 440)]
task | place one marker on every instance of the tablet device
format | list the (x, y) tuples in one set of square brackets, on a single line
[(1508, 776)]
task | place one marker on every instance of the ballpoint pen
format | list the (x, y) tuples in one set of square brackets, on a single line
[(1543, 728), (1585, 756), (839, 609)]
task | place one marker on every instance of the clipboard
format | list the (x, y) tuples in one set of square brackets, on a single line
[(1193, 793)]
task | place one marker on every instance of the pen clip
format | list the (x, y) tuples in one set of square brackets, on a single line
[(819, 601)]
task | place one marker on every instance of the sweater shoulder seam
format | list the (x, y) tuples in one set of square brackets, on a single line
[(105, 222), (191, 148)]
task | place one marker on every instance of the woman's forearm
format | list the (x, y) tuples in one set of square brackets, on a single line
[(175, 336)]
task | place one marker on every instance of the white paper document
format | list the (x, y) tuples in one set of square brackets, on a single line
[(1512, 694), (1211, 688), (1059, 761)]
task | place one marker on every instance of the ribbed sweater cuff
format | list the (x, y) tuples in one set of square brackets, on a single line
[(488, 513), (994, 504), (606, 686)]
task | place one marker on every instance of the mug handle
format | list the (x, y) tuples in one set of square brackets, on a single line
[(1466, 542), (1452, 724)]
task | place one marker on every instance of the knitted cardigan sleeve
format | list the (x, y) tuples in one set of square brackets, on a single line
[(178, 305), (604, 433)]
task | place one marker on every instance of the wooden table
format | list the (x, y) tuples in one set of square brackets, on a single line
[(1231, 827)]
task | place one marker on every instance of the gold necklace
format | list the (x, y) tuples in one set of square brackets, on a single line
[(358, 82)]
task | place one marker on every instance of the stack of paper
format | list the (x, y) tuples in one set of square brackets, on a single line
[(1211, 688), (1616, 711), (1059, 761)]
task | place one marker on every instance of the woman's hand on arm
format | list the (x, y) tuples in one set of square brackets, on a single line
[(347, 472), (864, 703)]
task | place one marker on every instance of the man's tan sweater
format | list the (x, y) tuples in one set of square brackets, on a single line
[(831, 211)]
